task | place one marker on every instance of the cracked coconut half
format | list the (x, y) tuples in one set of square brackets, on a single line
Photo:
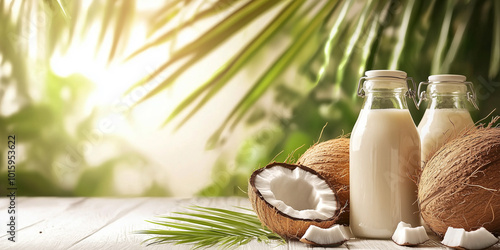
[(290, 198)]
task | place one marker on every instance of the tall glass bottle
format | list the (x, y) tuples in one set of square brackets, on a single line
[(446, 114), (384, 157)]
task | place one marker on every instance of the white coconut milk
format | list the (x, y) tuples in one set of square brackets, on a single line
[(384, 153), (439, 125)]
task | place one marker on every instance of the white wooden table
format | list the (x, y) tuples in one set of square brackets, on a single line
[(109, 223)]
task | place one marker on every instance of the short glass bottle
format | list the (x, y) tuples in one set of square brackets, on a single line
[(384, 154), (447, 112)]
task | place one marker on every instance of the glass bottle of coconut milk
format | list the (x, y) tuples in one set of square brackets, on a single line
[(384, 157), (446, 113)]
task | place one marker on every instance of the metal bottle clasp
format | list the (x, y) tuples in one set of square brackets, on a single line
[(410, 93), (422, 96), (361, 92), (471, 96)]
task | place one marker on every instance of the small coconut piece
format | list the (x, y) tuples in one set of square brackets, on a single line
[(326, 237), (460, 239), (290, 198), (405, 235), (331, 160)]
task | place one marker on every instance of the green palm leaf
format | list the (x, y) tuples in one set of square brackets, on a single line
[(443, 37), (355, 37), (125, 17), (495, 55), (398, 49), (208, 41), (169, 11), (327, 42), (367, 49), (273, 72), (457, 39), (365, 37), (333, 37), (224, 74), (106, 21), (164, 15), (207, 227)]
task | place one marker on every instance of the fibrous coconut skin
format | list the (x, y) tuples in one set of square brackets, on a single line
[(331, 160), (460, 185), (326, 237), (284, 225), (460, 239), (405, 235)]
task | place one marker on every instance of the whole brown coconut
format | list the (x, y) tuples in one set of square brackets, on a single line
[(460, 185), (277, 221), (331, 160)]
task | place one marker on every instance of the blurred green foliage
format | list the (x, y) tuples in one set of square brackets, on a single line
[(419, 37), (323, 49), (47, 114), (49, 155)]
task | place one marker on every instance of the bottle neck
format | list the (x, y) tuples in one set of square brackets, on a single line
[(385, 100), (448, 101)]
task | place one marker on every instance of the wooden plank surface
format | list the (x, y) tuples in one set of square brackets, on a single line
[(111, 223)]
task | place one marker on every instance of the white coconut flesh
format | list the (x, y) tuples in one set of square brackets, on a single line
[(297, 193), (478, 239), (334, 235), (405, 235)]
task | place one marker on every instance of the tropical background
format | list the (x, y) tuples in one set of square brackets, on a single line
[(188, 97)]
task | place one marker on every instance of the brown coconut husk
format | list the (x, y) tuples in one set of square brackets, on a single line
[(331, 160), (277, 221), (460, 185), (466, 131)]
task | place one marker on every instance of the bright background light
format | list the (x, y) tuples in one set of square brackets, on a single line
[(179, 159)]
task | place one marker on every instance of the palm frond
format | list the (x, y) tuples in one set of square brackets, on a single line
[(334, 32), (443, 37), (125, 17), (164, 15), (62, 8), (378, 34), (207, 226), (167, 13), (226, 72), (457, 38), (355, 37), (93, 12), (495, 55), (208, 42), (73, 17), (398, 49), (279, 65), (367, 49), (106, 21)]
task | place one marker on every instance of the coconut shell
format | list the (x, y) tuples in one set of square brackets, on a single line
[(277, 221), (460, 185), (331, 160)]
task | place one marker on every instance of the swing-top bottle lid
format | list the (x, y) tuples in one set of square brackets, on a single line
[(447, 78), (386, 80), (448, 84), (386, 73)]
